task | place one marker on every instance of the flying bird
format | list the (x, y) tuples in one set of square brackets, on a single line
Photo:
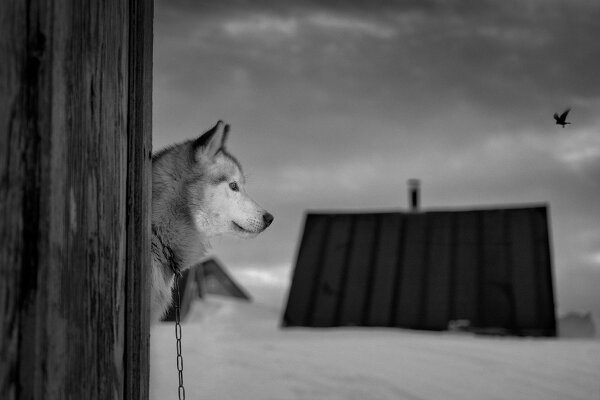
[(562, 119)]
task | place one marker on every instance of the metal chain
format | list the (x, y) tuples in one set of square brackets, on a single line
[(181, 389)]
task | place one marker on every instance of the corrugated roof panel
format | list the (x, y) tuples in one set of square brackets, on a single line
[(435, 308), (525, 282), (354, 291), (547, 314), (496, 292), (306, 271), (326, 293), (411, 286), (385, 271), (466, 267)]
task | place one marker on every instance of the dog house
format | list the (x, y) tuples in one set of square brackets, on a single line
[(208, 277), (212, 278), (486, 270)]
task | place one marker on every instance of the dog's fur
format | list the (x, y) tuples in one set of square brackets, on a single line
[(197, 193)]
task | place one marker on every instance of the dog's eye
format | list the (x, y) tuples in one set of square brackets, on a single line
[(234, 186)]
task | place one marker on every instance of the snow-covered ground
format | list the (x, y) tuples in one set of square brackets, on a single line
[(234, 350)]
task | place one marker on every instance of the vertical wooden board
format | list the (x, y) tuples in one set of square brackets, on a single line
[(307, 265), (409, 294), (355, 281), (68, 135), (329, 284), (95, 79), (385, 268), (94, 82), (546, 311), (16, 195), (497, 289), (437, 282), (75, 314), (523, 269), (138, 204), (466, 269)]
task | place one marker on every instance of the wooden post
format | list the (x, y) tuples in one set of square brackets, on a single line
[(75, 142)]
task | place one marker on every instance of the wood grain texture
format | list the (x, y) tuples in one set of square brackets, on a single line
[(74, 199), (137, 316)]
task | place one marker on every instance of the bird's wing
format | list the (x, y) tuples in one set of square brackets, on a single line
[(563, 116), (556, 117)]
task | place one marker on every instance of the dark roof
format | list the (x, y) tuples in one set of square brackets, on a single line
[(214, 279), (422, 270), (207, 277)]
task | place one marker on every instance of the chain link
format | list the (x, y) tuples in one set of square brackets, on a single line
[(181, 389)]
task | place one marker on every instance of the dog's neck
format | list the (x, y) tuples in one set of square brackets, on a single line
[(176, 243), (176, 247)]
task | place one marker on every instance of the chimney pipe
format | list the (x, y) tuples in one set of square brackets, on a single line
[(414, 186)]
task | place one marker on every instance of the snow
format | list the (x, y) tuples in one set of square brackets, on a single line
[(235, 350)]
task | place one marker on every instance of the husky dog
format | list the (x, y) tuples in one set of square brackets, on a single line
[(197, 193)]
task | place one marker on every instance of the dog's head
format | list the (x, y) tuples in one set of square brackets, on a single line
[(219, 201)]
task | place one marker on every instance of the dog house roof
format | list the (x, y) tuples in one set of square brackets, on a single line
[(489, 268)]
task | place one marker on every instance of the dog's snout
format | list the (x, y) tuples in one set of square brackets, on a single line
[(268, 218)]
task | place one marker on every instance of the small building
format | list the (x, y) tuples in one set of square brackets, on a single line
[(205, 278), (487, 270), (213, 278)]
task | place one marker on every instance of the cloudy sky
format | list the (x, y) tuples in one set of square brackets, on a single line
[(334, 105)]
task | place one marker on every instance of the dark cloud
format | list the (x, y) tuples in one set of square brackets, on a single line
[(203, 8), (499, 63)]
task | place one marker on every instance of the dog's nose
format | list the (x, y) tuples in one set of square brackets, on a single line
[(268, 218)]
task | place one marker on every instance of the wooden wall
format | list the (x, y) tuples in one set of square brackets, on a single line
[(75, 144)]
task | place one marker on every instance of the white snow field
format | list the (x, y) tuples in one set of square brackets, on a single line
[(234, 350)]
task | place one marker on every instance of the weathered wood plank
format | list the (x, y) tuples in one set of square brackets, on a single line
[(74, 199), (24, 121), (137, 316)]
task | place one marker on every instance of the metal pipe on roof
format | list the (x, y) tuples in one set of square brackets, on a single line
[(414, 188)]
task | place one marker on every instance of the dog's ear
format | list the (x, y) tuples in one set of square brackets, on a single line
[(210, 142)]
